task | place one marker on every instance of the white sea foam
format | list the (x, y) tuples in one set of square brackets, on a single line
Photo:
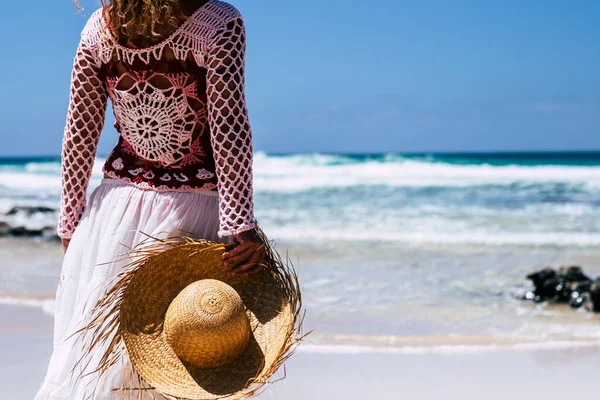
[(449, 343), (436, 237), (298, 173), (43, 167), (447, 349), (46, 304), (503, 212), (316, 171), (24, 181), (41, 177)]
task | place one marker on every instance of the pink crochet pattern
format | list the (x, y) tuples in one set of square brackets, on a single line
[(180, 110)]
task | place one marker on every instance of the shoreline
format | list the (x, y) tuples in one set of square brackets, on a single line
[(26, 333), (28, 309)]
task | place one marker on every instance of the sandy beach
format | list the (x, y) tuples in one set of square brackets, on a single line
[(26, 337)]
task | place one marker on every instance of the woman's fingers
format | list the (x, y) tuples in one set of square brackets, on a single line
[(258, 263), (245, 265), (253, 265), (241, 258), (246, 258), (237, 250)]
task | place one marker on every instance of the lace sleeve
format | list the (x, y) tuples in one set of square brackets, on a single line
[(231, 136), (85, 120)]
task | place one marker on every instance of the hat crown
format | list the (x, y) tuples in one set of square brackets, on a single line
[(206, 324)]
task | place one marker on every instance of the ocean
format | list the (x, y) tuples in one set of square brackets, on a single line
[(396, 252)]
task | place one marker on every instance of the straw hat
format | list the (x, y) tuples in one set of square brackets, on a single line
[(190, 329)]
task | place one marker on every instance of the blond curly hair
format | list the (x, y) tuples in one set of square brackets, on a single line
[(136, 22)]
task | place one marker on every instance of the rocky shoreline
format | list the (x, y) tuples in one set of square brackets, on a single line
[(567, 285), (29, 222)]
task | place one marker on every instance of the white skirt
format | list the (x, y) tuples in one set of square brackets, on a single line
[(117, 218)]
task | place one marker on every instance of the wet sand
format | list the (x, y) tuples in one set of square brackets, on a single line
[(26, 338)]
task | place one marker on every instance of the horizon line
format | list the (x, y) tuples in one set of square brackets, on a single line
[(373, 153)]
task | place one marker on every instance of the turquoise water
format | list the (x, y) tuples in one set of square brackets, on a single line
[(389, 245), (581, 158), (528, 199)]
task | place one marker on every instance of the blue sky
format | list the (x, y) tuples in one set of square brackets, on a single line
[(332, 75)]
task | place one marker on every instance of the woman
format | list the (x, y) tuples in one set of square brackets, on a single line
[(174, 72)]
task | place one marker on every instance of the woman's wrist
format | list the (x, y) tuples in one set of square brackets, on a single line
[(248, 236)]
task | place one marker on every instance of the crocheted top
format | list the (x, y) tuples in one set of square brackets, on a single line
[(180, 110)]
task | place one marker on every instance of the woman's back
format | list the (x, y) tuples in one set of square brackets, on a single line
[(180, 111)]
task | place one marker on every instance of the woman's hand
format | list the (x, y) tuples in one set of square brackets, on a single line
[(248, 257), (65, 244)]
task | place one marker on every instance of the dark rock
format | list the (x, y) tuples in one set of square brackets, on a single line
[(21, 231), (47, 232), (573, 273), (593, 296), (540, 276), (4, 228), (557, 286), (30, 210), (565, 285), (567, 280), (541, 291), (578, 302), (579, 292)]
